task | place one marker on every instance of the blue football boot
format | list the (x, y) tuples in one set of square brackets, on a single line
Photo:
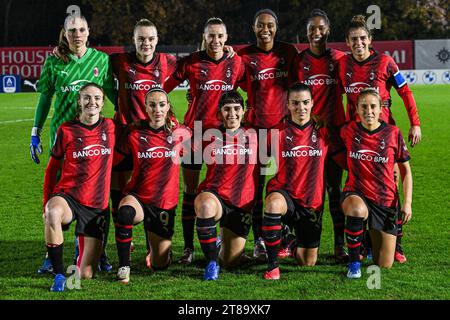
[(59, 283)]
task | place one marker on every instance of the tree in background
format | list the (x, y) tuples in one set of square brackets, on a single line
[(180, 22)]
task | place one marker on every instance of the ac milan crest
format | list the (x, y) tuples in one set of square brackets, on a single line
[(331, 67)]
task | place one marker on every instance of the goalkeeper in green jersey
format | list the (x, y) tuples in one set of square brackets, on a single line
[(63, 75)]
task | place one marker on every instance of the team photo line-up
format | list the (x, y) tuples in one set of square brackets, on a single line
[(294, 113)]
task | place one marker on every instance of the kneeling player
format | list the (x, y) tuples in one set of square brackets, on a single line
[(228, 191), (83, 153), (370, 192), (152, 193), (296, 193)]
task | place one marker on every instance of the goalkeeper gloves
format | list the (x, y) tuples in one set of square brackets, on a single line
[(35, 144)]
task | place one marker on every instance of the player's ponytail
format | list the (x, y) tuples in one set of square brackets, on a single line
[(358, 22), (63, 47)]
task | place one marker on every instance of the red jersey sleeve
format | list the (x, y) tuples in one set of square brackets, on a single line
[(58, 148), (171, 64), (179, 75), (402, 154), (54, 165), (400, 84)]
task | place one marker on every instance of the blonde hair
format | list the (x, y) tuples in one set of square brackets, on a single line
[(369, 91), (144, 23)]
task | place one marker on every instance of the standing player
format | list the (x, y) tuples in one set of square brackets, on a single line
[(83, 154), (370, 192), (267, 65), (368, 68), (228, 191), (152, 193), (297, 192), (64, 77), (210, 72), (317, 68), (136, 72)]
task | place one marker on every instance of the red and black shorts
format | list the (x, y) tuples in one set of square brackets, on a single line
[(234, 218), (91, 222), (158, 221), (381, 218), (307, 222)]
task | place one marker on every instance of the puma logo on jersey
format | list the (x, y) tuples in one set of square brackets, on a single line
[(79, 139), (64, 72), (132, 71), (253, 63), (204, 72), (144, 138), (307, 68), (349, 74), (358, 139), (289, 138)]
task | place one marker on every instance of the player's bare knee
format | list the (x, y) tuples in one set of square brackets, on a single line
[(357, 211), (205, 208), (53, 215), (274, 203)]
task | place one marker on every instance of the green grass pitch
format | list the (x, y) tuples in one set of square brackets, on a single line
[(426, 242)]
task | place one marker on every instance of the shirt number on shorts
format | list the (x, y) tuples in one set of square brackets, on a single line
[(247, 219), (315, 216), (164, 217)]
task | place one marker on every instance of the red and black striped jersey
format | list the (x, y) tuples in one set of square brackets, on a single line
[(301, 153), (379, 71), (319, 73), (232, 166), (371, 156), (266, 83), (135, 79), (208, 79), (156, 163), (87, 152)]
